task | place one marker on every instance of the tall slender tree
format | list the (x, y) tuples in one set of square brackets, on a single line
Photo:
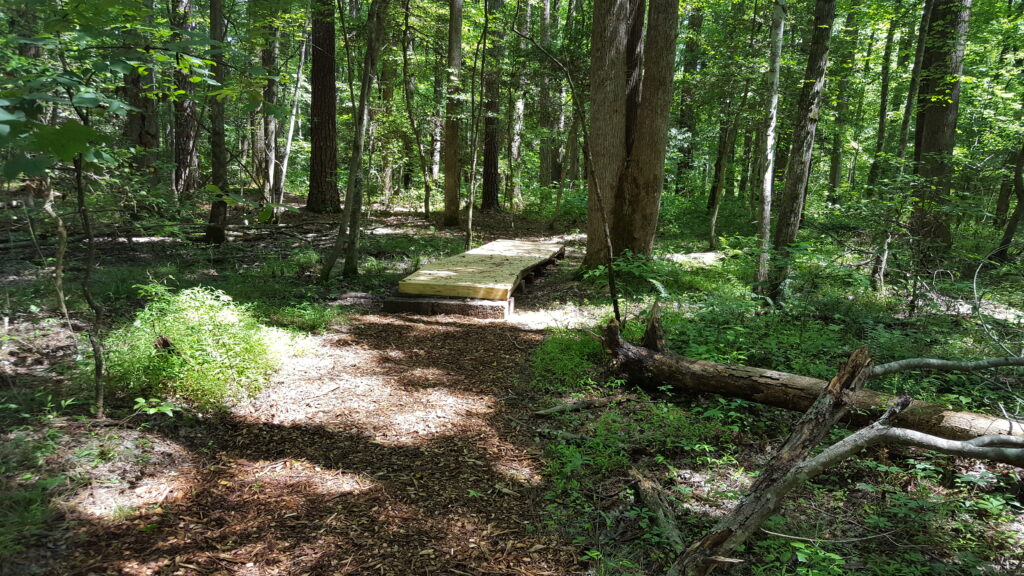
[(492, 108), (766, 153), (323, 131), (215, 230), (186, 121), (801, 147), (453, 107)]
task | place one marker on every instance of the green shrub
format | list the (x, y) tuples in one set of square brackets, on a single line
[(566, 361), (196, 346)]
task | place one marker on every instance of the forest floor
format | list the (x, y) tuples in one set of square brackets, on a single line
[(401, 444), (389, 444)]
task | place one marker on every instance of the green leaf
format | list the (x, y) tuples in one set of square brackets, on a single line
[(66, 141), (6, 116), (87, 99), (29, 166)]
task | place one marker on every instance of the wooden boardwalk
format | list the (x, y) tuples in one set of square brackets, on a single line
[(479, 282)]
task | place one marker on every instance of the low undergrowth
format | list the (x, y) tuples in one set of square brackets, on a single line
[(892, 512)]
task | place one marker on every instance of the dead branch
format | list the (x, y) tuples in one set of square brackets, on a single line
[(945, 365), (655, 500)]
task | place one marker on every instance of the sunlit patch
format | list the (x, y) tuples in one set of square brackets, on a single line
[(287, 476)]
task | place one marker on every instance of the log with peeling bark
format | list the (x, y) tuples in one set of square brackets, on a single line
[(767, 493), (653, 370)]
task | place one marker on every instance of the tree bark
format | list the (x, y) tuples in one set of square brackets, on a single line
[(546, 106), (935, 133), (766, 165), (323, 131), (348, 231), (801, 148), (452, 164), (186, 122), (653, 370), (490, 201), (766, 494), (215, 230), (883, 106), (628, 138)]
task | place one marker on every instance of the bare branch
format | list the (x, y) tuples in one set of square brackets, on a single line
[(946, 365)]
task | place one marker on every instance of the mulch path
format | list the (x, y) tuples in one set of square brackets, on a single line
[(398, 445)]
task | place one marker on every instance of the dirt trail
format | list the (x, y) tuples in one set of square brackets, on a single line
[(400, 445)]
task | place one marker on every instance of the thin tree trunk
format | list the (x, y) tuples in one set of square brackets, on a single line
[(409, 85), (766, 166), (323, 163), (215, 230), (292, 118), (268, 60), (1002, 252), (915, 83), (801, 148), (517, 114), (186, 123), (883, 106), (452, 164), (348, 232), (687, 123), (844, 65), (545, 105)]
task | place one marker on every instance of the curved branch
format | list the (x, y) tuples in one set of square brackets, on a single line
[(946, 365)]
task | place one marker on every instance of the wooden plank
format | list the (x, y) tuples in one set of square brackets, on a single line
[(490, 272), (427, 306)]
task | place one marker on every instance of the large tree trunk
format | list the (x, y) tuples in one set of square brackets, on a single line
[(323, 131), (653, 370), (186, 121), (492, 107), (766, 165), (801, 147), (218, 147), (452, 164), (937, 107), (628, 138)]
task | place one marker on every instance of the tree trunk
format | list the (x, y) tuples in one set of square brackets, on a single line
[(546, 107), (292, 118), (766, 166), (935, 133), (629, 138), (348, 232), (883, 106), (218, 146), (409, 85), (1002, 252), (323, 130), (653, 370), (452, 164), (268, 59), (844, 65), (492, 93), (687, 114), (801, 148), (915, 83), (726, 144), (186, 122), (517, 114)]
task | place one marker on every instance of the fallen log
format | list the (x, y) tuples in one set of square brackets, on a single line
[(767, 493), (653, 370)]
